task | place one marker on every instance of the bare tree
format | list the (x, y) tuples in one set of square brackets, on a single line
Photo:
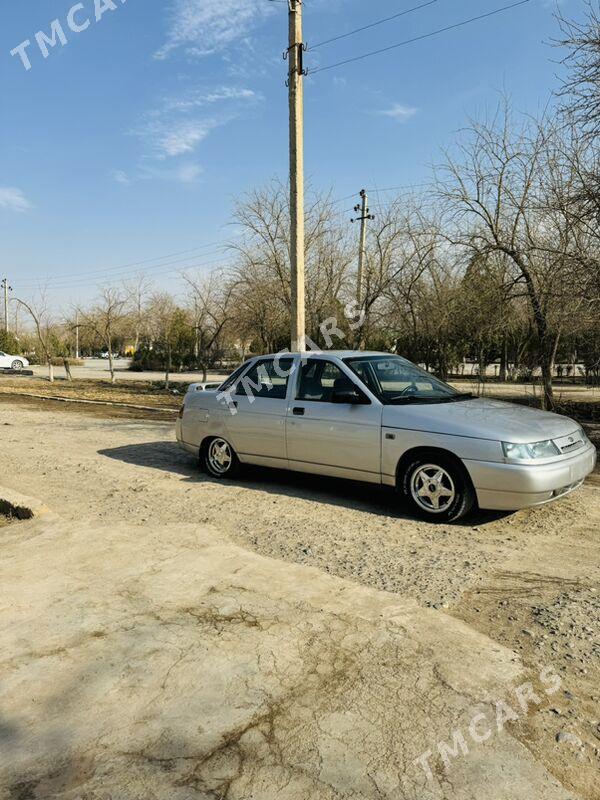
[(138, 291), (104, 318), (262, 269), (505, 194), (165, 317), (211, 310), (44, 329), (581, 88)]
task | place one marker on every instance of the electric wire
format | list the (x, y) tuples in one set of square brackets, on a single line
[(419, 38), (372, 24)]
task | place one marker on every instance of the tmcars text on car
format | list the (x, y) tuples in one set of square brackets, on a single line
[(16, 363), (379, 418)]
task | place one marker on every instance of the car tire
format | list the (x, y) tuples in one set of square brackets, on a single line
[(437, 487), (219, 459), (17, 366)]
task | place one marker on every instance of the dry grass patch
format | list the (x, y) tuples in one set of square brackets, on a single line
[(143, 393)]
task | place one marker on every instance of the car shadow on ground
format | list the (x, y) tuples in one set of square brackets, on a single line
[(371, 498)]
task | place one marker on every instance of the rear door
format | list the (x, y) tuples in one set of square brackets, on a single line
[(257, 428), (328, 438)]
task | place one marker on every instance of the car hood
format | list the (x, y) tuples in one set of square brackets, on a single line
[(481, 419)]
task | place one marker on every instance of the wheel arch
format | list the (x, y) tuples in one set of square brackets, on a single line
[(424, 450), (207, 440)]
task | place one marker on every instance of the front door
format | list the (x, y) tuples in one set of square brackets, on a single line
[(330, 438), (257, 429)]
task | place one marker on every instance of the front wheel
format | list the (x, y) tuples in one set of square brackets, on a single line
[(219, 459), (438, 488), (17, 366)]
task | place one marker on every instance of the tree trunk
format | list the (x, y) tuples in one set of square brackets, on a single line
[(168, 370), (548, 391), (503, 359), (204, 372), (111, 366), (67, 369), (50, 370), (482, 364)]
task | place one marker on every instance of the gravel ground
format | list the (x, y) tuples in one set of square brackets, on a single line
[(530, 580)]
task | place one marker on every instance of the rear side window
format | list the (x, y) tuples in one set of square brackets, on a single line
[(267, 379), (233, 378)]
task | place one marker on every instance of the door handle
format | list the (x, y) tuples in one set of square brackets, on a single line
[(298, 411)]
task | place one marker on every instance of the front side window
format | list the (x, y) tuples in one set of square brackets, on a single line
[(319, 379), (395, 380), (266, 379)]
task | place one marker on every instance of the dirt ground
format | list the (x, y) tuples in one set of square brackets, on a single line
[(529, 581)]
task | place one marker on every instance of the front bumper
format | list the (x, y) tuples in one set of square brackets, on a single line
[(509, 487)]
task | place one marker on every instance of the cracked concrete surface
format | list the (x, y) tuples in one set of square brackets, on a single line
[(167, 662)]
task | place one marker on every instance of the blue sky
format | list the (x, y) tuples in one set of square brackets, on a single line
[(131, 141)]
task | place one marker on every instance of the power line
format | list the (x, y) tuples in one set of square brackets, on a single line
[(124, 270), (91, 279), (387, 189), (419, 38), (404, 186), (84, 281), (372, 25), (96, 284), (100, 271)]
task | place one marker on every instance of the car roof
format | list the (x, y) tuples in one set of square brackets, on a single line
[(326, 354)]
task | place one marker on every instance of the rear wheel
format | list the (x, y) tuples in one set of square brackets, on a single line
[(437, 487), (219, 459), (17, 366)]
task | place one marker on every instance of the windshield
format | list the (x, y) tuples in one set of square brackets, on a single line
[(395, 380)]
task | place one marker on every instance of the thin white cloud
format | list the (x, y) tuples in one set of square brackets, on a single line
[(399, 112), (200, 99), (13, 199), (186, 172), (181, 138), (202, 27), (179, 125), (121, 177)]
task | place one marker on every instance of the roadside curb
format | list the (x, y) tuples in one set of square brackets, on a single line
[(81, 401), (19, 506)]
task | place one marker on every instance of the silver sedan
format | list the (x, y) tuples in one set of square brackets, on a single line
[(379, 418)]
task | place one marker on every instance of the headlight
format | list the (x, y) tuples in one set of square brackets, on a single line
[(584, 437), (528, 452)]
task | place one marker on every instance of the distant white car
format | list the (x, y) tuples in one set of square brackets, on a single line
[(12, 362)]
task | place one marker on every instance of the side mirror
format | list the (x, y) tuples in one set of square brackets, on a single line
[(349, 397)]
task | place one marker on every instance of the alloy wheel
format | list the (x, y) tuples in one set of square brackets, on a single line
[(220, 456), (432, 488)]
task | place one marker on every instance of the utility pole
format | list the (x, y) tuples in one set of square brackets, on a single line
[(295, 83), (6, 289), (364, 211)]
